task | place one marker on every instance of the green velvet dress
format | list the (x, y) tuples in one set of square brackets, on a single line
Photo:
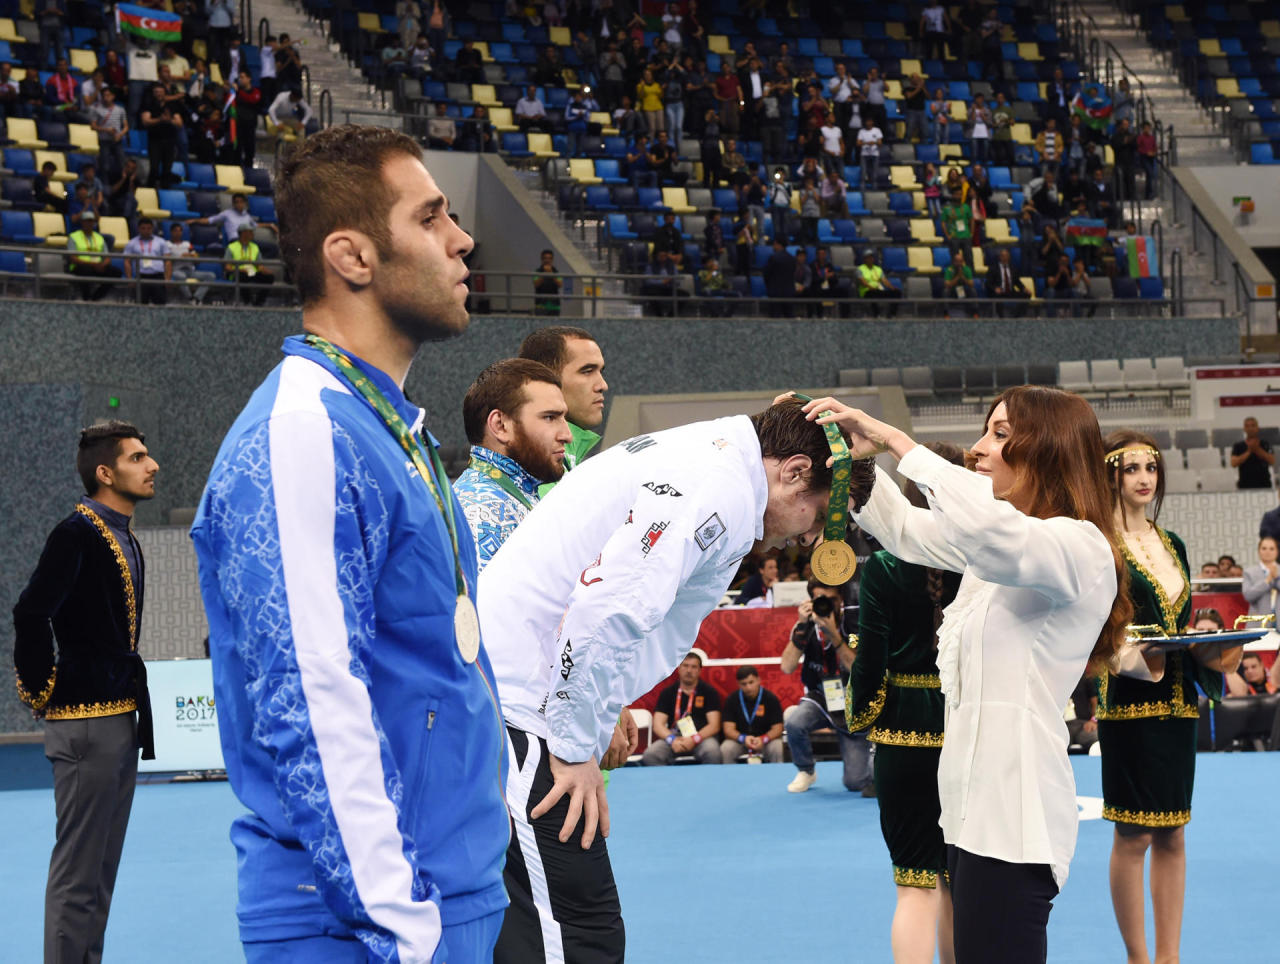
[(894, 689), (1148, 730)]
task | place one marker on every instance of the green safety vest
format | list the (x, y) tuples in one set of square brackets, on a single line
[(238, 252), (869, 277), (92, 242)]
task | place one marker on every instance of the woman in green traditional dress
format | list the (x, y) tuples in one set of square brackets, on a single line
[(894, 688), (1147, 715)]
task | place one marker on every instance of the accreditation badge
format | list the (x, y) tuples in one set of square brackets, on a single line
[(685, 726), (833, 693)]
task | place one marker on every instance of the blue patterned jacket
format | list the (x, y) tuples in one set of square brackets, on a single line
[(368, 752), (492, 512)]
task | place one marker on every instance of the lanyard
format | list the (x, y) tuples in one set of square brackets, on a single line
[(688, 710), (742, 700), (413, 446), (503, 480)]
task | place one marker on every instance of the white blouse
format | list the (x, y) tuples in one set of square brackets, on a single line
[(1012, 647)]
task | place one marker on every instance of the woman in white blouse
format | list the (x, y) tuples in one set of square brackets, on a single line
[(1260, 583), (1031, 529)]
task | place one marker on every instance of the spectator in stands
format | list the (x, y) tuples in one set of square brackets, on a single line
[(199, 82), (90, 258), (735, 168), (288, 63), (874, 284), (1252, 678), (1048, 199), (1050, 145), (939, 110), (1002, 121), (662, 159), (108, 119), (209, 141), (1260, 584), (442, 131), (267, 80), (179, 66), (673, 101), (439, 24), (700, 98), (728, 92), (991, 47), (146, 262), (713, 245), (752, 722), (931, 185), (1102, 199), (221, 28), (1052, 249), (686, 719), (967, 30), (290, 112), (549, 69), (179, 247), (810, 210), (667, 237), (649, 101), (779, 280), (530, 113), (91, 90), (42, 188), (626, 120), (869, 140), (232, 219), (612, 67), (162, 124), (744, 242), (1003, 282), (1209, 570), (1124, 149), (1227, 566), (80, 204), (826, 283), (957, 280), (759, 582), (844, 94), (1082, 730), (1270, 525), (873, 97), (914, 99), (10, 102), (637, 163), (778, 199), (97, 190), (980, 124), (934, 29), (122, 198), (419, 58), (468, 64), (1122, 103), (804, 283), (712, 283), (1059, 284), (957, 227), (834, 193), (821, 648), (248, 104), (774, 112), (660, 285), (1058, 96), (1146, 149), (51, 18), (241, 263), (753, 199), (982, 200), (1252, 458), (547, 286), (61, 96)]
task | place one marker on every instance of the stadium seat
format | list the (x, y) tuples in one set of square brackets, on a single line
[(619, 228), (675, 199), (608, 171), (1073, 376), (599, 199), (117, 229), (582, 170), (1106, 375), (83, 138), (59, 161), (203, 176), (21, 161), (262, 208), (16, 227), (540, 145), (1139, 373), (149, 203), (1152, 288), (920, 258), (231, 176), (52, 228), (515, 144), (176, 203)]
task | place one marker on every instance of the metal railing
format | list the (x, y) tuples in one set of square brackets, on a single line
[(246, 21), (264, 31), (324, 110)]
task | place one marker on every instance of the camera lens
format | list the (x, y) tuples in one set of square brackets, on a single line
[(823, 606)]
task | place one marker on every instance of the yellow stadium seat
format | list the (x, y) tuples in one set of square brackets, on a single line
[(1029, 51), (903, 176), (149, 203), (59, 160), (922, 230), (718, 43), (918, 202), (909, 67), (118, 228), (22, 131), (8, 31), (921, 259), (677, 200), (483, 47), (215, 72), (582, 170), (83, 138), (1108, 155), (49, 226), (1008, 35), (85, 61), (979, 261), (1270, 28), (485, 94), (1175, 13), (951, 154), (893, 89), (501, 119), (605, 121), (369, 23), (959, 111), (231, 176), (540, 146), (285, 134), (1228, 87), (1029, 283), (1022, 134), (561, 37), (1210, 47), (896, 30), (998, 230)]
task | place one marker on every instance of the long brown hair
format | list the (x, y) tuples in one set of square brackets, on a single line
[(1123, 438), (1055, 450)]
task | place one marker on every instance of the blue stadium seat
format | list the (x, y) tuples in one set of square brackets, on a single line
[(625, 197), (608, 171), (205, 236), (649, 198), (826, 234), (516, 144), (205, 202), (899, 230), (941, 257), (619, 228), (847, 230), (12, 262), (18, 192), (725, 199), (894, 260), (176, 203), (16, 225), (262, 208), (1000, 178), (599, 199), (1260, 153), (857, 207), (900, 203), (1122, 287), (643, 224), (1151, 288), (21, 161), (757, 287), (202, 176)]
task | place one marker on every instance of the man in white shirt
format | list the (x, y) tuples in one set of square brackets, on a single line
[(289, 110), (869, 139), (151, 270), (873, 94), (179, 247), (593, 600), (832, 145), (844, 93), (232, 219), (529, 112), (179, 66)]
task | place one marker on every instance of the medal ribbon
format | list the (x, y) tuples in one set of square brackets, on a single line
[(841, 470), (752, 715), (503, 480), (412, 445)]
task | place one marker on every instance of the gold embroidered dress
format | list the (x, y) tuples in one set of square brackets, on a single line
[(894, 689), (1148, 730)]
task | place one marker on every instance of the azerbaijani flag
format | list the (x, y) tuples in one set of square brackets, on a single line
[(1140, 256), (148, 23), (229, 114), (1086, 231), (1093, 106)]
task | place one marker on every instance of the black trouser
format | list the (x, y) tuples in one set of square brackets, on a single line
[(564, 903), (152, 290), (95, 292), (1001, 909), (162, 151)]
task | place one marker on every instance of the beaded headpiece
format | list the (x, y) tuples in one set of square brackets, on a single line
[(1116, 456)]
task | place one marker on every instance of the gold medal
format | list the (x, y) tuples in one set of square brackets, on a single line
[(833, 563), (466, 628)]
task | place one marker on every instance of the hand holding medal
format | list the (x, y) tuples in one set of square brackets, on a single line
[(833, 562)]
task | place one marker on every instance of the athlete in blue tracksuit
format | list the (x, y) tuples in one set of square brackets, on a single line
[(366, 746)]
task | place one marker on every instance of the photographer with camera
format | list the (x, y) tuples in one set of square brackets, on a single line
[(824, 652)]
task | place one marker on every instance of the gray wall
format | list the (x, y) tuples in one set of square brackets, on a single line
[(184, 374), (1259, 181)]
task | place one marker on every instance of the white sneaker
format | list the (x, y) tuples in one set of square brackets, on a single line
[(802, 782)]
